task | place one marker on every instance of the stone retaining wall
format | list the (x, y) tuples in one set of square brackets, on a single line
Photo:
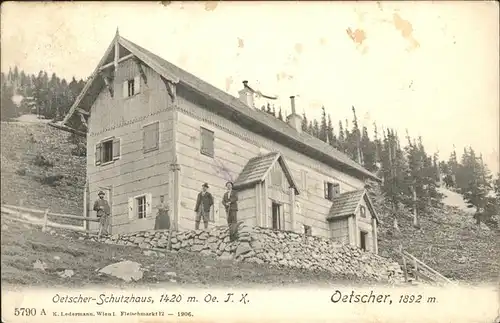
[(280, 248)]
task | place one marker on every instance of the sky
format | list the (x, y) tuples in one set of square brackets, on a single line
[(429, 67)]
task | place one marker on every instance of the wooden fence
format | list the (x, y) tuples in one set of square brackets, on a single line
[(420, 270), (16, 214)]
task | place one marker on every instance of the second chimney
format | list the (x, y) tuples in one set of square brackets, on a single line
[(294, 120), (246, 95)]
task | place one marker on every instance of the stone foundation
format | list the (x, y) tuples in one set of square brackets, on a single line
[(262, 245)]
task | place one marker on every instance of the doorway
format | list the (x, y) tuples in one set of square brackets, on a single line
[(276, 211), (362, 239)]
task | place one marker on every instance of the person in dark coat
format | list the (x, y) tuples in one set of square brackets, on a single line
[(101, 206), (204, 204), (162, 221), (230, 202)]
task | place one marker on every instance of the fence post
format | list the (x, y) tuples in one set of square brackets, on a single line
[(45, 220), (405, 269), (415, 264)]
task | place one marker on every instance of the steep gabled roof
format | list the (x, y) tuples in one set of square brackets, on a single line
[(346, 204), (302, 142), (257, 168)]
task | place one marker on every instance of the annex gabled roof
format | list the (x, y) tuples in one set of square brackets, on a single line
[(346, 204), (257, 169), (263, 122)]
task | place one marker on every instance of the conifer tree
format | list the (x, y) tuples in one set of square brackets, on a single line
[(341, 138), (280, 115), (305, 124), (310, 128), (368, 151), (332, 139), (323, 127), (315, 128)]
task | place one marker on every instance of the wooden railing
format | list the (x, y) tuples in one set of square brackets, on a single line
[(15, 213), (420, 270)]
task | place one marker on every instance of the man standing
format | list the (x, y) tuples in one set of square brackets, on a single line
[(203, 206), (162, 221), (102, 208), (230, 202)]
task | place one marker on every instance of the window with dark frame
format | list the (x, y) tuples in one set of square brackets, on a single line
[(141, 206), (307, 230), (276, 214), (107, 151), (332, 190), (131, 87), (207, 142)]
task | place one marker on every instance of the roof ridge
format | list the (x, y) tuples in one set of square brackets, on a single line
[(168, 69)]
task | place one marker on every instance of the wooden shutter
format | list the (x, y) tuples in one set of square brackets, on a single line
[(137, 84), (98, 150), (207, 142), (151, 137), (149, 205), (125, 89), (116, 148), (131, 208), (156, 134)]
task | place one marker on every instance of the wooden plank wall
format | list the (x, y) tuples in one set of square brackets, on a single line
[(234, 146), (339, 230), (135, 172)]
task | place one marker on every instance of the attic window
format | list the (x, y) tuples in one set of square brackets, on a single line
[(131, 87), (362, 211)]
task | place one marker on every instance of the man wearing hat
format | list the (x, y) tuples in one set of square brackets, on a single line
[(102, 208), (230, 202), (203, 206)]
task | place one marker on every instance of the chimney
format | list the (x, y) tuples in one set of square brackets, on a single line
[(294, 119), (246, 95), (292, 101)]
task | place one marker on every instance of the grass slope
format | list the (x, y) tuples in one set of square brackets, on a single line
[(448, 241), (24, 176), (23, 245)]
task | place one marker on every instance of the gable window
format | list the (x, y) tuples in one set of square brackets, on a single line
[(332, 190), (141, 206), (107, 151), (307, 230), (362, 211), (131, 87), (207, 142), (151, 137)]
